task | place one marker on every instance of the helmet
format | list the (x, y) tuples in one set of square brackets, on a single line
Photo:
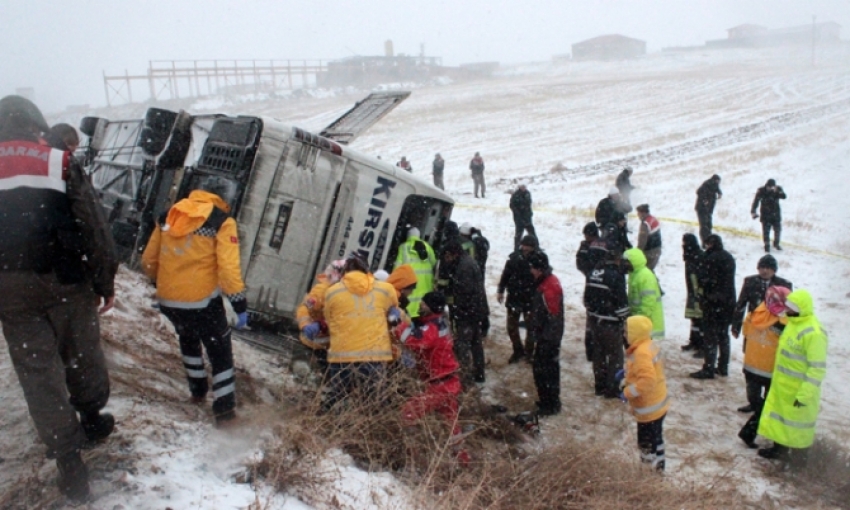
[(22, 109)]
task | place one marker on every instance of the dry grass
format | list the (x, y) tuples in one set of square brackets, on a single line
[(507, 471), (825, 477)]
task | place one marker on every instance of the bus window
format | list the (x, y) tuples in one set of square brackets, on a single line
[(426, 214)]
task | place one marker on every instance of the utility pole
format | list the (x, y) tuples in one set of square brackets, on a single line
[(814, 37)]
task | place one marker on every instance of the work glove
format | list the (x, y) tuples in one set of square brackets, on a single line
[(755, 216), (620, 375), (312, 330), (797, 403), (242, 320), (623, 397), (394, 316)]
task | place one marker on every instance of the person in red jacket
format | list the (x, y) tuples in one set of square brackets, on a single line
[(546, 327)]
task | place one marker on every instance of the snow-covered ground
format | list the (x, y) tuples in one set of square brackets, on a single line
[(676, 118)]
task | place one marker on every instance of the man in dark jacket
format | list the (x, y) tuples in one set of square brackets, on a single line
[(769, 196), (707, 195), (608, 206), (717, 279), (591, 252), (469, 311), (517, 281), (521, 209), (624, 184), (57, 261), (752, 295), (547, 328), (476, 166), (607, 305), (437, 169)]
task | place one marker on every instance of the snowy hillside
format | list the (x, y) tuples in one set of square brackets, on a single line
[(676, 118)]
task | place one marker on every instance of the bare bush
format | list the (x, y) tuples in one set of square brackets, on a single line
[(824, 477)]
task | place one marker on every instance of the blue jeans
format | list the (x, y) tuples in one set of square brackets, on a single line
[(367, 377)]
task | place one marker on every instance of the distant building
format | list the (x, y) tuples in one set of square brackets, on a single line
[(746, 31), (757, 36), (609, 47)]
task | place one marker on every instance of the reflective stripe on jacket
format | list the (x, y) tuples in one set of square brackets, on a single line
[(761, 331), (424, 269), (800, 369), (645, 293), (356, 312), (194, 254), (646, 386)]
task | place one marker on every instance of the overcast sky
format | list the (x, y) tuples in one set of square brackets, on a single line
[(63, 48)]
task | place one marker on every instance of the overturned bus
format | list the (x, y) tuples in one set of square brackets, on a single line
[(300, 199)]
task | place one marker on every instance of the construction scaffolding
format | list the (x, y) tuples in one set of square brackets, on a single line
[(172, 79)]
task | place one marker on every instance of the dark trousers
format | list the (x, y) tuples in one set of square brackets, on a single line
[(607, 356), (705, 226), (520, 227), (651, 442), (757, 388), (546, 367), (469, 351), (588, 337), (438, 180), (696, 337), (514, 316), (716, 336), (478, 180), (765, 232), (367, 377), (53, 335), (207, 327)]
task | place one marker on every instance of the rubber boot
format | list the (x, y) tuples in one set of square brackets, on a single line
[(73, 477), (97, 426)]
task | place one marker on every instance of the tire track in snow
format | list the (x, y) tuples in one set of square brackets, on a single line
[(694, 147)]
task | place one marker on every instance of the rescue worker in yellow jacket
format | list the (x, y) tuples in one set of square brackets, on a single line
[(357, 310), (404, 281), (761, 328), (193, 256), (419, 255), (645, 389), (793, 403), (311, 322)]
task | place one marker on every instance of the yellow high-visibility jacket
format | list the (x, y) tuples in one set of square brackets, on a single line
[(423, 268), (312, 309), (797, 377), (194, 255), (646, 386), (761, 329), (356, 312)]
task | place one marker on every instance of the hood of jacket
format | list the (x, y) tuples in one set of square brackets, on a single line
[(404, 276), (763, 319), (636, 257), (358, 283), (802, 300), (638, 329), (189, 214)]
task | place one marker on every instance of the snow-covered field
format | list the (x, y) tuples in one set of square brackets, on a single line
[(676, 118)]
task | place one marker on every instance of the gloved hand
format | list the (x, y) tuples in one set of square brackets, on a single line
[(394, 316), (623, 397), (312, 330), (242, 321), (755, 216), (408, 360), (797, 403), (620, 375)]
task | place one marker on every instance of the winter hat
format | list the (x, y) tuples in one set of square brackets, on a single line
[(644, 208), (715, 177), (529, 240), (638, 327), (613, 190), (771, 182), (403, 277), (435, 300), (21, 111), (590, 229), (539, 260), (465, 229), (769, 262), (412, 232), (381, 275), (775, 298)]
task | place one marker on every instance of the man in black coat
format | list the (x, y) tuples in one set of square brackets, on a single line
[(769, 196), (521, 208), (591, 252), (607, 305), (624, 184), (717, 279), (751, 296), (707, 195), (437, 170), (517, 281), (608, 206), (468, 312)]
